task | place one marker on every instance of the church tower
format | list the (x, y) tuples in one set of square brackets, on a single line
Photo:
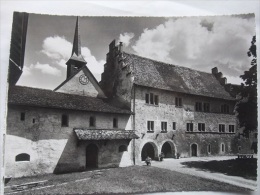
[(76, 60)]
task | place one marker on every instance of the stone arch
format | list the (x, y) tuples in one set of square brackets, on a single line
[(169, 149), (92, 156), (149, 149), (194, 149)]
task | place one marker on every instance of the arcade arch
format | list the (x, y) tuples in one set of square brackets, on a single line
[(168, 149), (149, 149)]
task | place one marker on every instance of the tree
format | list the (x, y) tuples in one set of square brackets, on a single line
[(247, 103)]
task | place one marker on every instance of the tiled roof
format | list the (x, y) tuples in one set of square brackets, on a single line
[(104, 134), (155, 74), (19, 95)]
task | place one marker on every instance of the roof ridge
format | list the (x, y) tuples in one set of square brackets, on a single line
[(168, 64), (49, 90)]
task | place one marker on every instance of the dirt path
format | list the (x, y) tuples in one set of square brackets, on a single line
[(175, 165)]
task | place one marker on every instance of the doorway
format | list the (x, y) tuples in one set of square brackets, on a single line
[(91, 156), (194, 150)]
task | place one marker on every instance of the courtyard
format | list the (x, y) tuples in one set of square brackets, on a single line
[(169, 175)]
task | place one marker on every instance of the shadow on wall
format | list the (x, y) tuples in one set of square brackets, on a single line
[(79, 156), (69, 160)]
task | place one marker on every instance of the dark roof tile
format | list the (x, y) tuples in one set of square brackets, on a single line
[(19, 95), (105, 134), (155, 74)]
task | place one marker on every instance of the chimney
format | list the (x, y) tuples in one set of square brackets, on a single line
[(228, 87), (112, 45), (120, 47), (219, 75), (223, 81), (214, 70)]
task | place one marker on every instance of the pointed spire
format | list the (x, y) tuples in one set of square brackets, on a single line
[(76, 61), (76, 43)]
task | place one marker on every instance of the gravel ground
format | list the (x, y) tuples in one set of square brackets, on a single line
[(135, 179)]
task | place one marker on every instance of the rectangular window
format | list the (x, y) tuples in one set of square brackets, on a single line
[(92, 121), (225, 109), (201, 126), (231, 129), (150, 126), (33, 121), (198, 106), (178, 102), (221, 128), (22, 117), (173, 125), (64, 120), (115, 122), (151, 99), (147, 98), (189, 127), (156, 100), (164, 126), (206, 107)]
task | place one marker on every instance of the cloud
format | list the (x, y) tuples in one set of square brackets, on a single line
[(126, 38), (92, 63), (27, 71), (47, 69), (58, 49), (235, 80), (200, 43)]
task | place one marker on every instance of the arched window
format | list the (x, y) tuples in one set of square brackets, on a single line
[(115, 123), (92, 121), (222, 147), (209, 148), (64, 120), (22, 157), (122, 148)]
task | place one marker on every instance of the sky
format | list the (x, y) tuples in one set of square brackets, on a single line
[(126, 8), (199, 43)]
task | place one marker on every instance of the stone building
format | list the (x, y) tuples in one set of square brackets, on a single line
[(141, 107), (72, 128), (178, 111)]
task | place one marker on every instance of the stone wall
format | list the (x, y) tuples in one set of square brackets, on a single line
[(117, 78), (53, 148), (179, 139)]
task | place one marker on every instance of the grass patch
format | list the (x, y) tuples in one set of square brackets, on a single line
[(134, 179), (246, 168)]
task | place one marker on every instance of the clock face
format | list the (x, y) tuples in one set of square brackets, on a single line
[(83, 79)]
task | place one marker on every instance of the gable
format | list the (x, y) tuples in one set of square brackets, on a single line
[(82, 83)]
